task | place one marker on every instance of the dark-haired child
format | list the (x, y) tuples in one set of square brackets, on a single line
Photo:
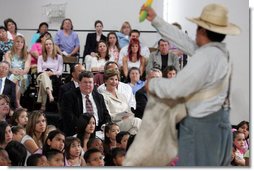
[(37, 160), (94, 157), (55, 158), (122, 139), (118, 155)]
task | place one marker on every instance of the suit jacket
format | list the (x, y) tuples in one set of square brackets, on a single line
[(91, 43), (10, 91), (154, 61), (65, 88), (115, 105), (72, 110), (141, 99)]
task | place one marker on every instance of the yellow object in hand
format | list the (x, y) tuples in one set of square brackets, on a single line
[(143, 14)]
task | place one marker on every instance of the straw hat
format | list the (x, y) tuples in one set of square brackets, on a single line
[(214, 17)]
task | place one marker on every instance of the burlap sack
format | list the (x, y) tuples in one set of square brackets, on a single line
[(156, 142)]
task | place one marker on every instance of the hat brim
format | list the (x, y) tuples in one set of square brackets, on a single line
[(230, 29)]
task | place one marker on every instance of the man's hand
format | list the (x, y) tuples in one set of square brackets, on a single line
[(150, 13)]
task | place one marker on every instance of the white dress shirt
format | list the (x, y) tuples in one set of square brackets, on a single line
[(3, 84), (94, 106)]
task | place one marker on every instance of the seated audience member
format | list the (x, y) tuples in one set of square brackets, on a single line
[(43, 28), (123, 88), (162, 58), (110, 132), (35, 133), (7, 87), (141, 96), (4, 108), (17, 153), (66, 39), (133, 58), (92, 39), (19, 117), (94, 157), (86, 129), (55, 158), (123, 35), (169, 72), (12, 28), (122, 139), (37, 160), (134, 79), (98, 62), (5, 43), (118, 156), (36, 50), (73, 152), (5, 134), (74, 83), (20, 61), (243, 127), (113, 47), (18, 133), (4, 158), (54, 140), (144, 51), (83, 99), (183, 58), (49, 68), (116, 103), (95, 143), (238, 147)]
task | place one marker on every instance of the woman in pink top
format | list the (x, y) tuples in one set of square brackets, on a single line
[(49, 68), (36, 49)]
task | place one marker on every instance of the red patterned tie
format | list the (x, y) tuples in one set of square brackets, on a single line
[(89, 106)]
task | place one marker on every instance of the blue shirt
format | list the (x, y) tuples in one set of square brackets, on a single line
[(137, 86), (35, 38), (67, 43), (122, 39)]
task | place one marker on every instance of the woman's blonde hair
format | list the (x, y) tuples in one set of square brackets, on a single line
[(24, 53), (44, 51), (126, 23)]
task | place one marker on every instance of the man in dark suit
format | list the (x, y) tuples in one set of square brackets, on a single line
[(73, 83), (93, 38), (7, 87), (83, 99)]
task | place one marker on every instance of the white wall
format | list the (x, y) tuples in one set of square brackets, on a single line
[(83, 13), (28, 14), (238, 46)]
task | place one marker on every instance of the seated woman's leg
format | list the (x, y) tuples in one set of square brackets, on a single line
[(45, 88)]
